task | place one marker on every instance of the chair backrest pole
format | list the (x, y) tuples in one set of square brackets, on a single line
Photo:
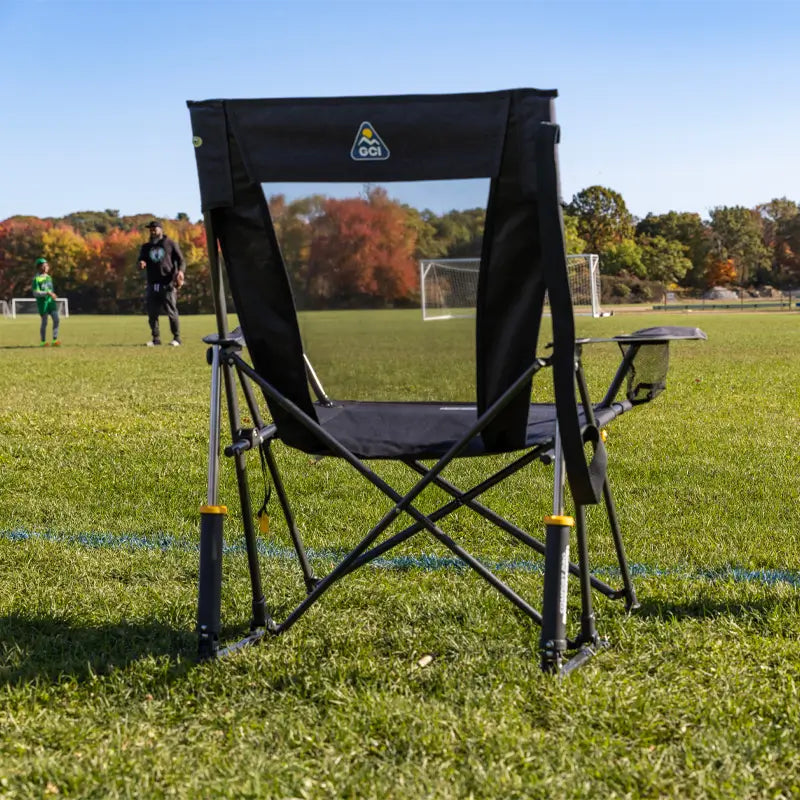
[(217, 286), (559, 477), (316, 383), (213, 428)]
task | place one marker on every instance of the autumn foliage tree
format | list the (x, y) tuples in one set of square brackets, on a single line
[(20, 246), (720, 271), (362, 254), (110, 271)]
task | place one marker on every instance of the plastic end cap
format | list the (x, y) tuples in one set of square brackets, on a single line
[(559, 519), (213, 509)]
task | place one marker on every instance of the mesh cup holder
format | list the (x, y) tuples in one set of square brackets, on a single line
[(648, 375)]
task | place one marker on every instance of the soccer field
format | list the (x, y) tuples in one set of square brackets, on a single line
[(103, 448)]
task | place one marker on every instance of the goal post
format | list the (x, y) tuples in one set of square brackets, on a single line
[(449, 286), (27, 305), (583, 271)]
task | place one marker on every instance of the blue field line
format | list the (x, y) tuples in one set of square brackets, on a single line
[(423, 561)]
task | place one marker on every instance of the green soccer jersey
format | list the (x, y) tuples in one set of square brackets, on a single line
[(42, 285)]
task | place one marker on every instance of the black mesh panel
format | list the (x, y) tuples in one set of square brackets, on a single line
[(648, 375)]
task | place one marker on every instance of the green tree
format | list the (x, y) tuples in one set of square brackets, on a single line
[(623, 258), (787, 266), (460, 232), (737, 235), (602, 218), (688, 229), (781, 235), (423, 223), (293, 227), (664, 259), (573, 240), (84, 222)]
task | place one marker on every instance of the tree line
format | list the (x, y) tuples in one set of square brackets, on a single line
[(363, 251), (735, 247)]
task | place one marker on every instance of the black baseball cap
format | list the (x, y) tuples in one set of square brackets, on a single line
[(154, 223)]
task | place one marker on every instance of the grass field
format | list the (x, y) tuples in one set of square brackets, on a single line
[(103, 448)]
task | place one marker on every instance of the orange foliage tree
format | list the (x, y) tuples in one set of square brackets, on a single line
[(196, 294), (111, 271), (362, 254), (720, 271), (20, 246)]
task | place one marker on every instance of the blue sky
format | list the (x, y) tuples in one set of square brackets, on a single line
[(676, 105)]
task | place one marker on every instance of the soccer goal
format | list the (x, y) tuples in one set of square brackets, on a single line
[(449, 286), (27, 305), (5, 309)]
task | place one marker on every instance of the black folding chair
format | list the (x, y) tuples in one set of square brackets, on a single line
[(510, 138)]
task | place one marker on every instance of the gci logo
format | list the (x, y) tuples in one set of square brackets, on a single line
[(368, 146)]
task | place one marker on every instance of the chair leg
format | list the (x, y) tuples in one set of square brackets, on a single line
[(631, 602), (260, 618), (212, 516), (553, 642), (308, 575), (209, 596), (588, 630)]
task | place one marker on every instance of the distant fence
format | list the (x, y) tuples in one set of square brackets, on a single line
[(739, 305)]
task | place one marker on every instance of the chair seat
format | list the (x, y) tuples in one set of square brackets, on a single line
[(428, 430)]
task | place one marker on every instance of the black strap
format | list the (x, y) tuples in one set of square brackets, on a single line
[(585, 479)]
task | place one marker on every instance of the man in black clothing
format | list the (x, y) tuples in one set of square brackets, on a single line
[(165, 265)]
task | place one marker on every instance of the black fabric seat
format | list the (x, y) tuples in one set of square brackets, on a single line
[(384, 430)]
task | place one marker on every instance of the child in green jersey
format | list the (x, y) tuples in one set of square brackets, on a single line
[(45, 301)]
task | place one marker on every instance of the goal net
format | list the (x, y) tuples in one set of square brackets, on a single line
[(27, 305), (449, 286), (583, 271)]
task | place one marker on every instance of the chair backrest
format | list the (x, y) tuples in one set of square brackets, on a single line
[(508, 137)]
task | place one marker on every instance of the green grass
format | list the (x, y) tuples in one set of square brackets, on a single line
[(100, 695)]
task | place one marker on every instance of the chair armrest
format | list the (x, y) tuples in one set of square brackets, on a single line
[(650, 346), (657, 335), (234, 339)]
